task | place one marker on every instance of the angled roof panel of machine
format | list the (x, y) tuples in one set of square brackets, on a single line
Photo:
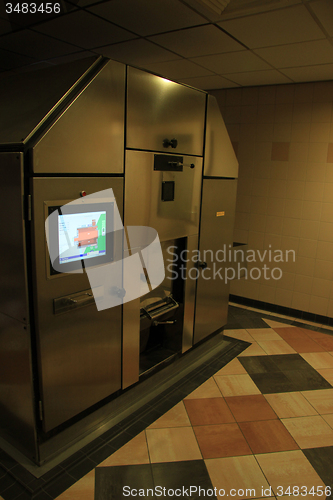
[(27, 100)]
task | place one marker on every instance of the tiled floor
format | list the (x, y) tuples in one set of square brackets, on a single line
[(260, 427)]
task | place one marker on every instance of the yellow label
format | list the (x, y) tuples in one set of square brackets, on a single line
[(219, 214)]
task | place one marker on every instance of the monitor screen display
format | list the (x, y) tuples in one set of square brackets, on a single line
[(81, 236)]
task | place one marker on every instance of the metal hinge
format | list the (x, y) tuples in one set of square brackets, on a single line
[(40, 408)]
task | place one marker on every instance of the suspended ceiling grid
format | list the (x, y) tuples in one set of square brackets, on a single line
[(251, 42)]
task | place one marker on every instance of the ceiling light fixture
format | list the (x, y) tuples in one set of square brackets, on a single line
[(216, 6)]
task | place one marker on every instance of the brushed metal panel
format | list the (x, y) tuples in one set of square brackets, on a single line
[(131, 342), (27, 98), (143, 204), (220, 159), (17, 420), (80, 350), (89, 135), (190, 289), (159, 109), (216, 237), (13, 285)]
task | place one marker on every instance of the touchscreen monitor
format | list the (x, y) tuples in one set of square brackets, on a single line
[(81, 236)]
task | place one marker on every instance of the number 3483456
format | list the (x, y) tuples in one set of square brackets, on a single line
[(33, 8)]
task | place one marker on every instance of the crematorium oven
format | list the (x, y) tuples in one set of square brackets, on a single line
[(113, 179)]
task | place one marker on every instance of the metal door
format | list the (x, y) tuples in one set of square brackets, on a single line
[(79, 350), (160, 111), (216, 238)]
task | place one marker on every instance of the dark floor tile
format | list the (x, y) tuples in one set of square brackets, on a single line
[(111, 481), (49, 476), (321, 460), (271, 383), (24, 476), (42, 495), (287, 362), (6, 482), (14, 491), (105, 451), (59, 485), (182, 476), (81, 469), (6, 461), (259, 364), (78, 456), (307, 380)]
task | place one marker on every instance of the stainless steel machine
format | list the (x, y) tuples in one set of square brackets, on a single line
[(62, 136)]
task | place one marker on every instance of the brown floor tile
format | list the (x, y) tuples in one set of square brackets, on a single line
[(235, 473), (172, 444), (276, 347), (275, 324), (329, 419), (250, 408), (304, 345), (234, 367), (327, 373), (133, 452), (290, 404), (323, 339), (176, 417), (84, 489), (237, 385), (208, 411), (267, 436), (309, 432), (240, 334), (224, 440), (289, 468), (321, 400), (318, 360), (208, 389), (253, 350), (263, 334), (293, 332)]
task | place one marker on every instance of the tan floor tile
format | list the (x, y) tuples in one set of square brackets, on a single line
[(260, 334), (208, 389), (318, 360), (289, 468), (237, 385), (321, 400), (253, 350), (329, 419), (235, 473), (234, 367), (276, 347), (275, 324), (290, 404), (133, 452), (176, 417), (309, 432), (240, 334), (327, 373), (84, 489), (172, 445)]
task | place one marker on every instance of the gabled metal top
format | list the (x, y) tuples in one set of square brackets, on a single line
[(28, 99)]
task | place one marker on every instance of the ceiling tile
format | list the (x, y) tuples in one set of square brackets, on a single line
[(84, 29), (268, 77), (298, 54), (148, 17), (310, 73), (9, 60), (181, 68), (323, 9), (232, 62), (137, 52), (198, 41), (208, 82), (30, 43), (290, 25), (5, 26)]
